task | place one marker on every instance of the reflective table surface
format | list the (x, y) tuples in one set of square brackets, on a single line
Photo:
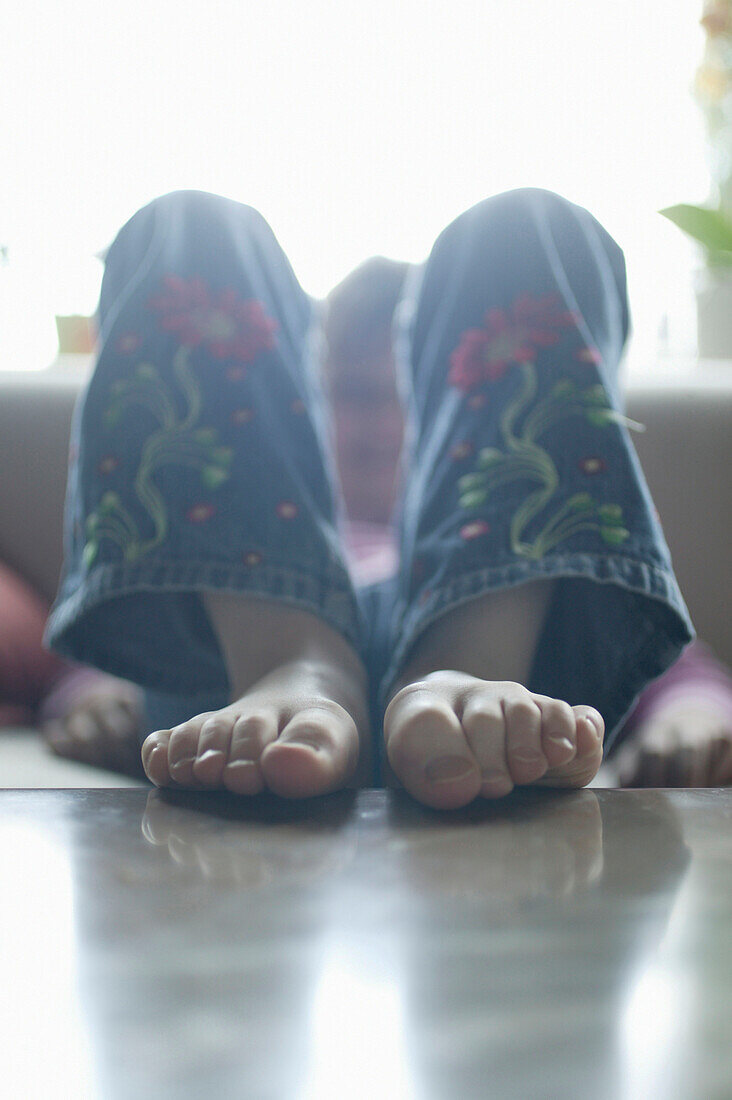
[(547, 946)]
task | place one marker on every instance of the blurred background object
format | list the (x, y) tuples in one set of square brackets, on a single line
[(710, 225), (357, 130)]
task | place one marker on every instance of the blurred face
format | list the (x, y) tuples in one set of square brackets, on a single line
[(368, 429)]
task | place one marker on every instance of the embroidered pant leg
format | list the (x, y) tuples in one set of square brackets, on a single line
[(518, 463), (199, 458)]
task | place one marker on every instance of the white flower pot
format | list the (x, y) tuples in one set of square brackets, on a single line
[(713, 289)]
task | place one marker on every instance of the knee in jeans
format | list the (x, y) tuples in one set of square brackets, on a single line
[(524, 203)]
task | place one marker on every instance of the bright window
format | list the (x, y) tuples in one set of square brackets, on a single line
[(356, 128)]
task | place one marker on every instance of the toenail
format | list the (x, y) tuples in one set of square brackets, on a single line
[(241, 764), (561, 742), (309, 742), (447, 768), (496, 779), (595, 725), (184, 762), (526, 757), (209, 754)]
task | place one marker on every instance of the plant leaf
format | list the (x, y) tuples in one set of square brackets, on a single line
[(709, 227)]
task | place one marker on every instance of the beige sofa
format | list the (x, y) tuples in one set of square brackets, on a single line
[(686, 453)]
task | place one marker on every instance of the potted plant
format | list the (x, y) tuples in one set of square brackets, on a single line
[(711, 225)]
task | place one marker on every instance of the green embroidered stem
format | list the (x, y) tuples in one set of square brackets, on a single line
[(105, 530), (182, 370), (122, 515), (525, 395), (564, 513), (556, 397), (560, 535), (540, 424), (523, 517), (108, 522), (162, 411), (483, 478), (154, 504)]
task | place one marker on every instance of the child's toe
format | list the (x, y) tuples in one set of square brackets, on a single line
[(484, 726), (558, 730), (526, 760), (155, 757)]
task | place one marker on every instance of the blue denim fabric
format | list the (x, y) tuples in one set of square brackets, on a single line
[(200, 456)]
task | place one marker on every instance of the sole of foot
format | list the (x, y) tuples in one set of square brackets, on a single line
[(285, 736), (685, 744), (451, 737), (101, 727)]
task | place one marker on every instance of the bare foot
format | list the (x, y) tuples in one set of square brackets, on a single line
[(100, 724), (687, 743), (296, 731), (451, 737)]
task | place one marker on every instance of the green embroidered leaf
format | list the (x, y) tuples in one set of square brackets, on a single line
[(109, 502), (111, 415), (119, 386), (595, 395), (474, 499), (613, 536), (489, 456), (581, 502), (146, 371), (223, 455), (205, 435), (471, 481), (610, 514), (564, 388), (92, 522), (599, 417), (213, 476), (90, 552)]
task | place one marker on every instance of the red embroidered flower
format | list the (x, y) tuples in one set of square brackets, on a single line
[(252, 558), (588, 355), (286, 509), (199, 513), (107, 464), (592, 464), (507, 336), (477, 401), (474, 530), (462, 450), (235, 374), (228, 326), (129, 342), (242, 416)]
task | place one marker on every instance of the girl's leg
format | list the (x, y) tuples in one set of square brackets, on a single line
[(536, 594), (202, 560)]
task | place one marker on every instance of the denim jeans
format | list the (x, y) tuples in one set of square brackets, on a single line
[(201, 458)]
